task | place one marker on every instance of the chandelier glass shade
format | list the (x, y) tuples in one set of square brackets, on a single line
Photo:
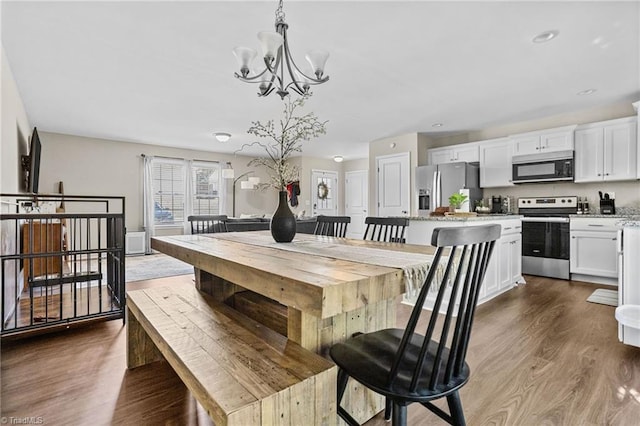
[(281, 72)]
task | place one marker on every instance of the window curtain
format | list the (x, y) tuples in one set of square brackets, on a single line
[(188, 196), (148, 211), (223, 202)]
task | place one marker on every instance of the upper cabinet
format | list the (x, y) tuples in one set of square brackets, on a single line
[(468, 152), (495, 163), (558, 139), (606, 151)]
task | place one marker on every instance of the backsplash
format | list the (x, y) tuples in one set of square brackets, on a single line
[(627, 194)]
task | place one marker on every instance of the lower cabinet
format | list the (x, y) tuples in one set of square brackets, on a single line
[(593, 249), (505, 266)]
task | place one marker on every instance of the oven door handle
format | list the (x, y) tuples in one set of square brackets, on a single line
[(546, 219)]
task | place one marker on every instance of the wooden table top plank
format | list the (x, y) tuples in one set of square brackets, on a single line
[(318, 285), (316, 294), (318, 270)]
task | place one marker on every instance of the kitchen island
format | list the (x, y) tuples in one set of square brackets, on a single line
[(505, 268)]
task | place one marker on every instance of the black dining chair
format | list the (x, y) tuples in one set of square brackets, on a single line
[(405, 366), (207, 224), (388, 229), (333, 226)]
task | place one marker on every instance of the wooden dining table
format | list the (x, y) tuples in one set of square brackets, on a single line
[(332, 287)]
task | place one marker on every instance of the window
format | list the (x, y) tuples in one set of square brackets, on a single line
[(206, 179), (170, 178)]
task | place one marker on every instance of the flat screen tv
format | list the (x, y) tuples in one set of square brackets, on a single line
[(34, 163)]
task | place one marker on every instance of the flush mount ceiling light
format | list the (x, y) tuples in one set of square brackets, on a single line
[(279, 64), (222, 137), (546, 36), (338, 158), (437, 125), (586, 92)]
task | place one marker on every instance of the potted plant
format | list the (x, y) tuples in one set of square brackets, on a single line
[(281, 143), (456, 200)]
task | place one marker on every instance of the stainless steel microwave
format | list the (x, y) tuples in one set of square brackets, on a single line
[(546, 167)]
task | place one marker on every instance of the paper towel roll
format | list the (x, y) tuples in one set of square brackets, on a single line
[(465, 206)]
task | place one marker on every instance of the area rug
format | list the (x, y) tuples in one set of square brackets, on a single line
[(152, 266), (604, 297)]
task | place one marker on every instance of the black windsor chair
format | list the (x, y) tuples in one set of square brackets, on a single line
[(207, 224), (408, 367), (333, 226), (388, 229)]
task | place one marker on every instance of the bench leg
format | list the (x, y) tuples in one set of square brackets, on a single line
[(140, 348)]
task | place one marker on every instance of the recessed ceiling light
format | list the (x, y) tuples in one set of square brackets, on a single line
[(546, 36), (586, 92), (437, 125), (222, 137), (338, 158)]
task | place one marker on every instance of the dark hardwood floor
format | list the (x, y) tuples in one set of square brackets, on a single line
[(539, 355)]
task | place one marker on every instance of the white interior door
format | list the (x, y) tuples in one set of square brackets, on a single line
[(324, 190), (393, 185), (356, 201)]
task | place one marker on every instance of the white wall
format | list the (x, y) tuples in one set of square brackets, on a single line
[(90, 166), (15, 131)]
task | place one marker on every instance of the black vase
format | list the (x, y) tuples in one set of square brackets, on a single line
[(283, 222)]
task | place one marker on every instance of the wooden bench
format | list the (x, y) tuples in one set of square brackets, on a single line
[(241, 372)]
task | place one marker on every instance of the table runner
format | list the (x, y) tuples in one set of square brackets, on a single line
[(414, 265)]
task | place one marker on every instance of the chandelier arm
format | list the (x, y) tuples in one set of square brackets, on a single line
[(253, 79), (274, 72), (290, 61)]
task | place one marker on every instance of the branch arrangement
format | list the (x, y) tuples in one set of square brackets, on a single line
[(282, 144)]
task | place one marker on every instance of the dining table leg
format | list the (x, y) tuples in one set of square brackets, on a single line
[(319, 334)]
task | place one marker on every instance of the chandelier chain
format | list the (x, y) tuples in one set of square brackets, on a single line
[(279, 13)]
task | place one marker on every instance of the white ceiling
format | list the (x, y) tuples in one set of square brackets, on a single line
[(162, 72)]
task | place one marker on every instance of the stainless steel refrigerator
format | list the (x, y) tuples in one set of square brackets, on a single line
[(436, 183)]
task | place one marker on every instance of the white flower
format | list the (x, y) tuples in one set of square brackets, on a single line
[(294, 129)]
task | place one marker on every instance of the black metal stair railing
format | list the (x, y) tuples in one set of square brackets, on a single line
[(60, 269)]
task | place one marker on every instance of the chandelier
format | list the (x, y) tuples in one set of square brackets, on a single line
[(279, 64)]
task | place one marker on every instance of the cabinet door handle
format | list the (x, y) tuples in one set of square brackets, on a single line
[(506, 229), (599, 174), (573, 237), (593, 224)]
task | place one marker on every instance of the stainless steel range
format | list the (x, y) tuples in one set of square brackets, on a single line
[(545, 235)]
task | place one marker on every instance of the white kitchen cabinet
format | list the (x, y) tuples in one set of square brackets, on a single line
[(606, 151), (495, 163), (593, 248), (468, 152), (505, 267), (636, 105), (550, 140)]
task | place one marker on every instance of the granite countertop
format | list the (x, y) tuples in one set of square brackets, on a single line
[(628, 220), (629, 223), (466, 218), (603, 216)]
